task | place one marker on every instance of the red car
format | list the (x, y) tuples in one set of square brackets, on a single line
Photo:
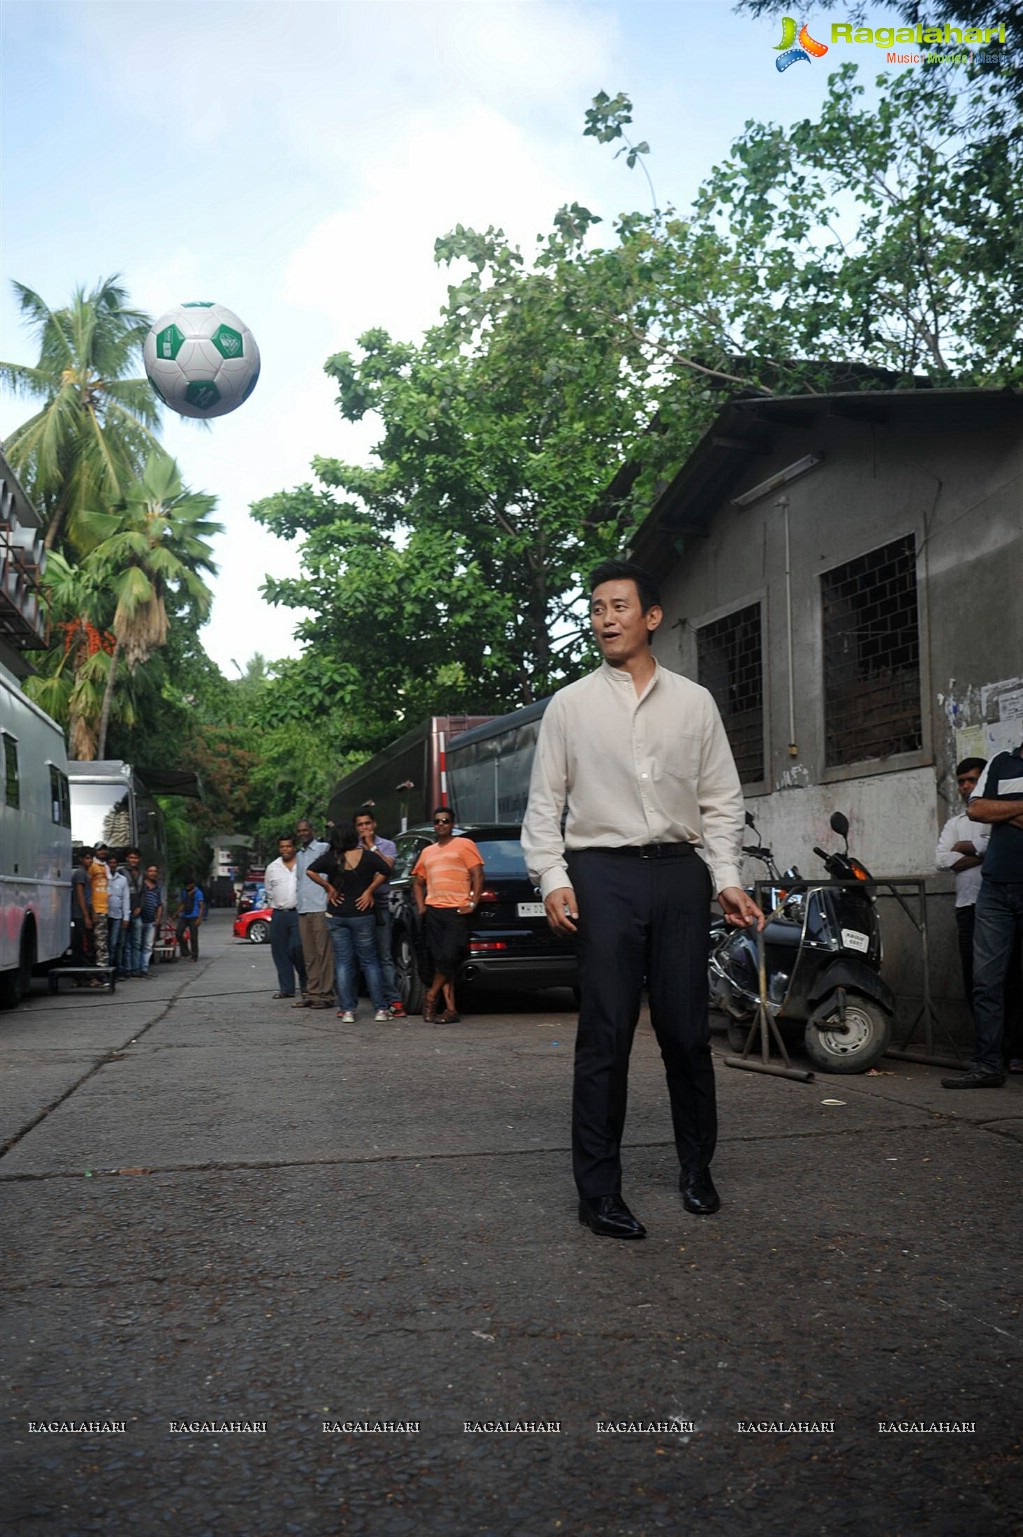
[(254, 926)]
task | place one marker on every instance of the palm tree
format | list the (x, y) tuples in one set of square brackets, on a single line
[(93, 430), (72, 678), (153, 547)]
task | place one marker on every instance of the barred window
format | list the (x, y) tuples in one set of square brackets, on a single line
[(729, 662), (872, 656)]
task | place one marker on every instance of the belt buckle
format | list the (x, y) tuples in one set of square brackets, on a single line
[(649, 851)]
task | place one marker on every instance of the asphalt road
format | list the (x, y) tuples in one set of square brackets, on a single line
[(222, 1211)]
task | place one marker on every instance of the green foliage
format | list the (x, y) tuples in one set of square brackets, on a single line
[(888, 236), (93, 430), (864, 246)]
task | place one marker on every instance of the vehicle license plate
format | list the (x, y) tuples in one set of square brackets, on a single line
[(531, 910), (854, 940)]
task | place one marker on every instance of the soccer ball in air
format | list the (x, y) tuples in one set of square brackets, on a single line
[(201, 359)]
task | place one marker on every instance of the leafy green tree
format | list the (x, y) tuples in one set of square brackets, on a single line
[(94, 429), (862, 248), (156, 542), (888, 235), (71, 675)]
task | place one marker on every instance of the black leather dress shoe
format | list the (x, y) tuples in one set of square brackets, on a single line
[(974, 1079), (698, 1193), (609, 1217)]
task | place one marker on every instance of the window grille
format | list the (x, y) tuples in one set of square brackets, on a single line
[(729, 662), (872, 655)]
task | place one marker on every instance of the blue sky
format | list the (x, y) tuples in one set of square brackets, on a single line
[(295, 161)]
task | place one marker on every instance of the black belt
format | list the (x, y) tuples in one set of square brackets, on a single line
[(651, 850)]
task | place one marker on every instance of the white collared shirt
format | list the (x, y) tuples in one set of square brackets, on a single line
[(633, 768), (281, 884), (959, 829)]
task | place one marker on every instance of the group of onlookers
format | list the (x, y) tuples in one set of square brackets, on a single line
[(116, 911), (331, 918)]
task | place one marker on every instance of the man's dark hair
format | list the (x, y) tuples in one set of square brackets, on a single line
[(970, 763), (445, 811), (628, 571), (133, 850), (86, 853), (367, 810), (285, 837)]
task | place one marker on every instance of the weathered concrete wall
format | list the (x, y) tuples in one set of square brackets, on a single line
[(960, 493)]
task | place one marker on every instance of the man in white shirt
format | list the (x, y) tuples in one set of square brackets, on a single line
[(281, 884), (639, 756), (317, 951), (960, 849), (118, 914)]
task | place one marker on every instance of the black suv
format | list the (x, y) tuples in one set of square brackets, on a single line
[(510, 943)]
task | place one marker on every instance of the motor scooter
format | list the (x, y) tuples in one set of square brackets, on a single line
[(823, 952)]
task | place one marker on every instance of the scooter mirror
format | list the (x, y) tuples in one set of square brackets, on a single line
[(840, 824), (749, 819)]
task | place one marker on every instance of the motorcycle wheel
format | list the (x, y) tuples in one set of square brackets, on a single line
[(854, 1046)]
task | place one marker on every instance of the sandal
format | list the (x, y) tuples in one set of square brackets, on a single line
[(429, 1010), (449, 1017)]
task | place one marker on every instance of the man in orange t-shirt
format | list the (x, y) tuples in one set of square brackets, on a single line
[(446, 881)]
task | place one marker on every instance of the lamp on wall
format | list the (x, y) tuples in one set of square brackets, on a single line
[(782, 478)]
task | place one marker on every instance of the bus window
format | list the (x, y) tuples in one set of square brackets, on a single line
[(60, 797), (12, 781)]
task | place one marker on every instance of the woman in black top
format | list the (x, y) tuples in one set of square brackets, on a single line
[(350, 875)]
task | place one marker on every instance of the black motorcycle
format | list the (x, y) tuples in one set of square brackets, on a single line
[(822, 948)]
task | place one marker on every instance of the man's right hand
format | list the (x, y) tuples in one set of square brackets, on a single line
[(562, 910)]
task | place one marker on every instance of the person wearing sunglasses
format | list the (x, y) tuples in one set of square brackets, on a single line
[(447, 880)]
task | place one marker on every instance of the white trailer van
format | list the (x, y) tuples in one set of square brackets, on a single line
[(35, 841)]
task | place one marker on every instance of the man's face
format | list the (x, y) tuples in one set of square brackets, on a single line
[(365, 827), (112, 862), (151, 873), (967, 782), (620, 627), (304, 833), (286, 848), (133, 862), (102, 854), (443, 823)]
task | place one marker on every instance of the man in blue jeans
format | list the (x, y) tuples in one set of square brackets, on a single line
[(132, 961), (997, 800), (150, 917)]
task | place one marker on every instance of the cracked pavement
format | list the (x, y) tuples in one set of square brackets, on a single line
[(219, 1209)]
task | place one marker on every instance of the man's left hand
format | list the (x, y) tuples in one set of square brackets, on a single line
[(739, 909)]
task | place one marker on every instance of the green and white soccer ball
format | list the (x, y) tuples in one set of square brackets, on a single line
[(201, 359)]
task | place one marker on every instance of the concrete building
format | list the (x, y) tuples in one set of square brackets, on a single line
[(22, 558), (845, 573)]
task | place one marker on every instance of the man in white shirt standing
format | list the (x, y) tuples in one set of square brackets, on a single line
[(961, 848), (119, 913), (317, 950), (639, 757), (281, 884)]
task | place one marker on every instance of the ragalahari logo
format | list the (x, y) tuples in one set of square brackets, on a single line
[(796, 45)]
